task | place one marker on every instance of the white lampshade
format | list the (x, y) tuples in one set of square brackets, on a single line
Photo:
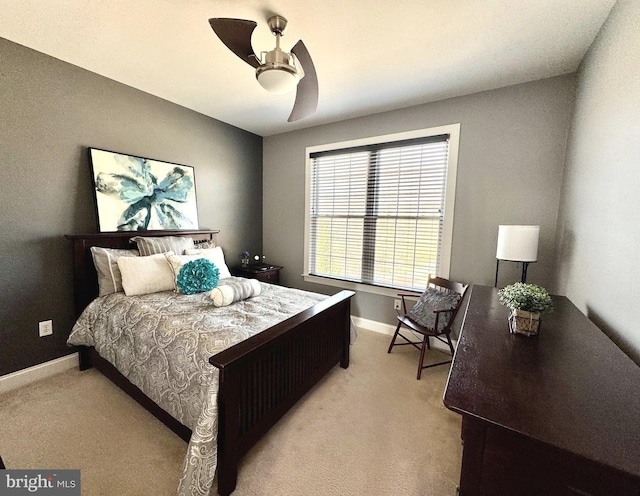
[(518, 243), (276, 80)]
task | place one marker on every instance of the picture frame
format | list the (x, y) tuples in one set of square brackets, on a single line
[(141, 194)]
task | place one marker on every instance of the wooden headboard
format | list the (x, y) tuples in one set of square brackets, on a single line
[(85, 278)]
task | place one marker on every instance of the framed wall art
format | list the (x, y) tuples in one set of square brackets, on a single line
[(138, 194)]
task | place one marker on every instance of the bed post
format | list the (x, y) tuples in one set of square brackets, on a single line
[(346, 338), (85, 358), (228, 400)]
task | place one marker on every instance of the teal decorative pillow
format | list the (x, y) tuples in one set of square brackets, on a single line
[(197, 276)]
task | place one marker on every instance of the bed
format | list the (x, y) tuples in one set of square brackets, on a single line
[(258, 379)]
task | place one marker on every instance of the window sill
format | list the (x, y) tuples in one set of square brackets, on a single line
[(356, 286)]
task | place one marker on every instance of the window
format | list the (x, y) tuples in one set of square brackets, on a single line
[(380, 210)]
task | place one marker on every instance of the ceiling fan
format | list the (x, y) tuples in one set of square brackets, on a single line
[(276, 70)]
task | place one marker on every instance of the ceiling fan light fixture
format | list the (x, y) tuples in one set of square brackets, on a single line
[(277, 74), (277, 71), (278, 80)]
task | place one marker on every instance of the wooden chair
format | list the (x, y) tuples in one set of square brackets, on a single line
[(432, 316)]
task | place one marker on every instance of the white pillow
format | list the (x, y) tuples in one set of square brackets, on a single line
[(233, 291), (215, 255), (143, 275), (177, 261)]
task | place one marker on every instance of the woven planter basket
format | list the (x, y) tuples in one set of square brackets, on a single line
[(523, 322)]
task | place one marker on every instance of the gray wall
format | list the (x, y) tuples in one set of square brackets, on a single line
[(50, 113), (599, 232), (512, 151)]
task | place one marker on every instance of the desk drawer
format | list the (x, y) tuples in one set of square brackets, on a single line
[(515, 464)]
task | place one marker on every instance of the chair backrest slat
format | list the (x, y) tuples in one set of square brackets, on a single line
[(452, 286)]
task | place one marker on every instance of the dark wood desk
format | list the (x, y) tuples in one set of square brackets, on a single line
[(556, 414)]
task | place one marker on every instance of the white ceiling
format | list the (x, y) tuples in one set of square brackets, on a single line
[(370, 55)]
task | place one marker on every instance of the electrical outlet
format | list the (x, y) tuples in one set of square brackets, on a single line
[(397, 305), (45, 328)]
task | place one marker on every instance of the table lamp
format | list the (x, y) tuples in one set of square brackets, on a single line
[(517, 244)]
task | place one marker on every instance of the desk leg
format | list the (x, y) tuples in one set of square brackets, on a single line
[(473, 438)]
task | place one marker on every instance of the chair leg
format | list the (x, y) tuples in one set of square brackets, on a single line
[(425, 343), (395, 335), (450, 345)]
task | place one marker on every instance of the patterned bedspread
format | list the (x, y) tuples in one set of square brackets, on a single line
[(162, 343)]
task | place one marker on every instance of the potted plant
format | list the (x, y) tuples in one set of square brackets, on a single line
[(526, 302)]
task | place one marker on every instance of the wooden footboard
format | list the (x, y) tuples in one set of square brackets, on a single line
[(263, 377)]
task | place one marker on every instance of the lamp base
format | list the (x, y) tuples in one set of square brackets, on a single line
[(523, 278)]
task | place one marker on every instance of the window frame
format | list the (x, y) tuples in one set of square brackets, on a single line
[(453, 130)]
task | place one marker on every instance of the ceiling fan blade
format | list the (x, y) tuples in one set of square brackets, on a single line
[(307, 90), (236, 34)]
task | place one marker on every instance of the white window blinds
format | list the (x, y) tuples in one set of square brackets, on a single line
[(376, 212)]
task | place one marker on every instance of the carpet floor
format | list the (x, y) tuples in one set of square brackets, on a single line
[(371, 429)]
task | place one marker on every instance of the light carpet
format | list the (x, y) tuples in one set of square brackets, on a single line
[(371, 429)]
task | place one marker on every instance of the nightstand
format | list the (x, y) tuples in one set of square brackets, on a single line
[(262, 272)]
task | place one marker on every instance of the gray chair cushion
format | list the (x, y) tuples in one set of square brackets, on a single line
[(430, 300)]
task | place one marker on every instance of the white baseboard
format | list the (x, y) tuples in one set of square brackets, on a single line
[(47, 369), (382, 328), (37, 372)]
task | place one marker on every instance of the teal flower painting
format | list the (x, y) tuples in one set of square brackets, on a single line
[(136, 194)]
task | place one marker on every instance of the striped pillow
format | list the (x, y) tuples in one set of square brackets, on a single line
[(109, 276), (229, 292), (162, 244)]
